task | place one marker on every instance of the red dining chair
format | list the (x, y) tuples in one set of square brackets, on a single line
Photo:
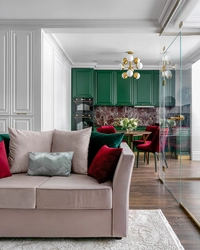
[(155, 146), (106, 129), (152, 129)]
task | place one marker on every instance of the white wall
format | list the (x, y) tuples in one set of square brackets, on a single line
[(195, 147), (56, 86)]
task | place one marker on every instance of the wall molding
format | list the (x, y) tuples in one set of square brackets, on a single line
[(94, 25), (195, 155), (4, 109), (57, 46)]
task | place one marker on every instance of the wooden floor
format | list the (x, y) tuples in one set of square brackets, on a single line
[(147, 192)]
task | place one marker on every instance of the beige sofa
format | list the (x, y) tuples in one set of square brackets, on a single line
[(39, 206)]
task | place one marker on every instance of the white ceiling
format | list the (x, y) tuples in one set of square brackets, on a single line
[(98, 33)]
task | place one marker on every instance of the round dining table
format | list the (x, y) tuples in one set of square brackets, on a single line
[(145, 134)]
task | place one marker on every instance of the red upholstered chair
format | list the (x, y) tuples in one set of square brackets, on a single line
[(106, 129), (152, 129), (155, 146)]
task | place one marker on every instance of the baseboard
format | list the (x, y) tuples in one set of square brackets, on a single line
[(195, 155)]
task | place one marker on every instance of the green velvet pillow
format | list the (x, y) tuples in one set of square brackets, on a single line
[(50, 164), (98, 140), (6, 139)]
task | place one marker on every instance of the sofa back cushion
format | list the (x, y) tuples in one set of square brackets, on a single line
[(22, 142), (77, 142)]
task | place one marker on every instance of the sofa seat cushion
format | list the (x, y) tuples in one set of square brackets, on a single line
[(19, 191), (74, 192)]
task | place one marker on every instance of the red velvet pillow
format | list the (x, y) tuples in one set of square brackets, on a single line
[(106, 130), (103, 166), (4, 166)]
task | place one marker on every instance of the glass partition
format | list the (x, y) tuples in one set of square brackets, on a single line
[(170, 113), (179, 165)]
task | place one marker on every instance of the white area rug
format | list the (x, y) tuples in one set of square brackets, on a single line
[(148, 230)]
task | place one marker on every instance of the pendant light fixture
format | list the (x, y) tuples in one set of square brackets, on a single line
[(131, 63), (165, 70)]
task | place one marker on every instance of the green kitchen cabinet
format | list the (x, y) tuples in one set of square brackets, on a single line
[(103, 88), (169, 92), (143, 89), (156, 89), (123, 91), (164, 95), (82, 82)]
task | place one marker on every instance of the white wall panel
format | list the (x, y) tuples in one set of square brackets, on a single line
[(195, 132), (4, 124), (68, 97), (56, 87), (21, 71), (47, 101), (59, 93), (22, 122), (4, 70)]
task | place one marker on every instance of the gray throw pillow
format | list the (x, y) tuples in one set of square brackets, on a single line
[(50, 164)]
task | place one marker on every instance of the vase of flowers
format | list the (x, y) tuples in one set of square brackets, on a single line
[(129, 124), (167, 123)]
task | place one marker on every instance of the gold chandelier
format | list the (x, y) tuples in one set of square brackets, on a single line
[(165, 70), (129, 63)]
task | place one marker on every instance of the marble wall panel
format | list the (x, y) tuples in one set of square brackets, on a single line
[(107, 115), (148, 116)]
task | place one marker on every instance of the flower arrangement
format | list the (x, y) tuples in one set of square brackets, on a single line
[(167, 123), (127, 123)]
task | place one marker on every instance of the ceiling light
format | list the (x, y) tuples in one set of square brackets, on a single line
[(165, 71), (129, 64)]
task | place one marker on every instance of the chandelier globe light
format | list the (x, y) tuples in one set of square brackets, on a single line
[(129, 62), (165, 71)]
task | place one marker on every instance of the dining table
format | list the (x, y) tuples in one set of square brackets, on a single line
[(130, 134)]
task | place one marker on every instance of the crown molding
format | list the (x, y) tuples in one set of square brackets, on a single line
[(52, 38), (192, 57), (192, 22), (109, 67), (88, 24), (184, 12), (165, 12)]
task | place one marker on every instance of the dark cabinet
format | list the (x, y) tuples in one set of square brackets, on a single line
[(168, 92), (82, 82), (164, 95), (103, 87), (109, 89), (123, 90), (156, 89), (143, 89)]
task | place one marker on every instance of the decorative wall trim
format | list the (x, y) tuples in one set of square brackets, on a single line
[(195, 155), (109, 67), (23, 123), (22, 74), (4, 123), (73, 25), (4, 105), (57, 45), (165, 12)]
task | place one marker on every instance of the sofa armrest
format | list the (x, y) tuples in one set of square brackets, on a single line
[(121, 188)]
